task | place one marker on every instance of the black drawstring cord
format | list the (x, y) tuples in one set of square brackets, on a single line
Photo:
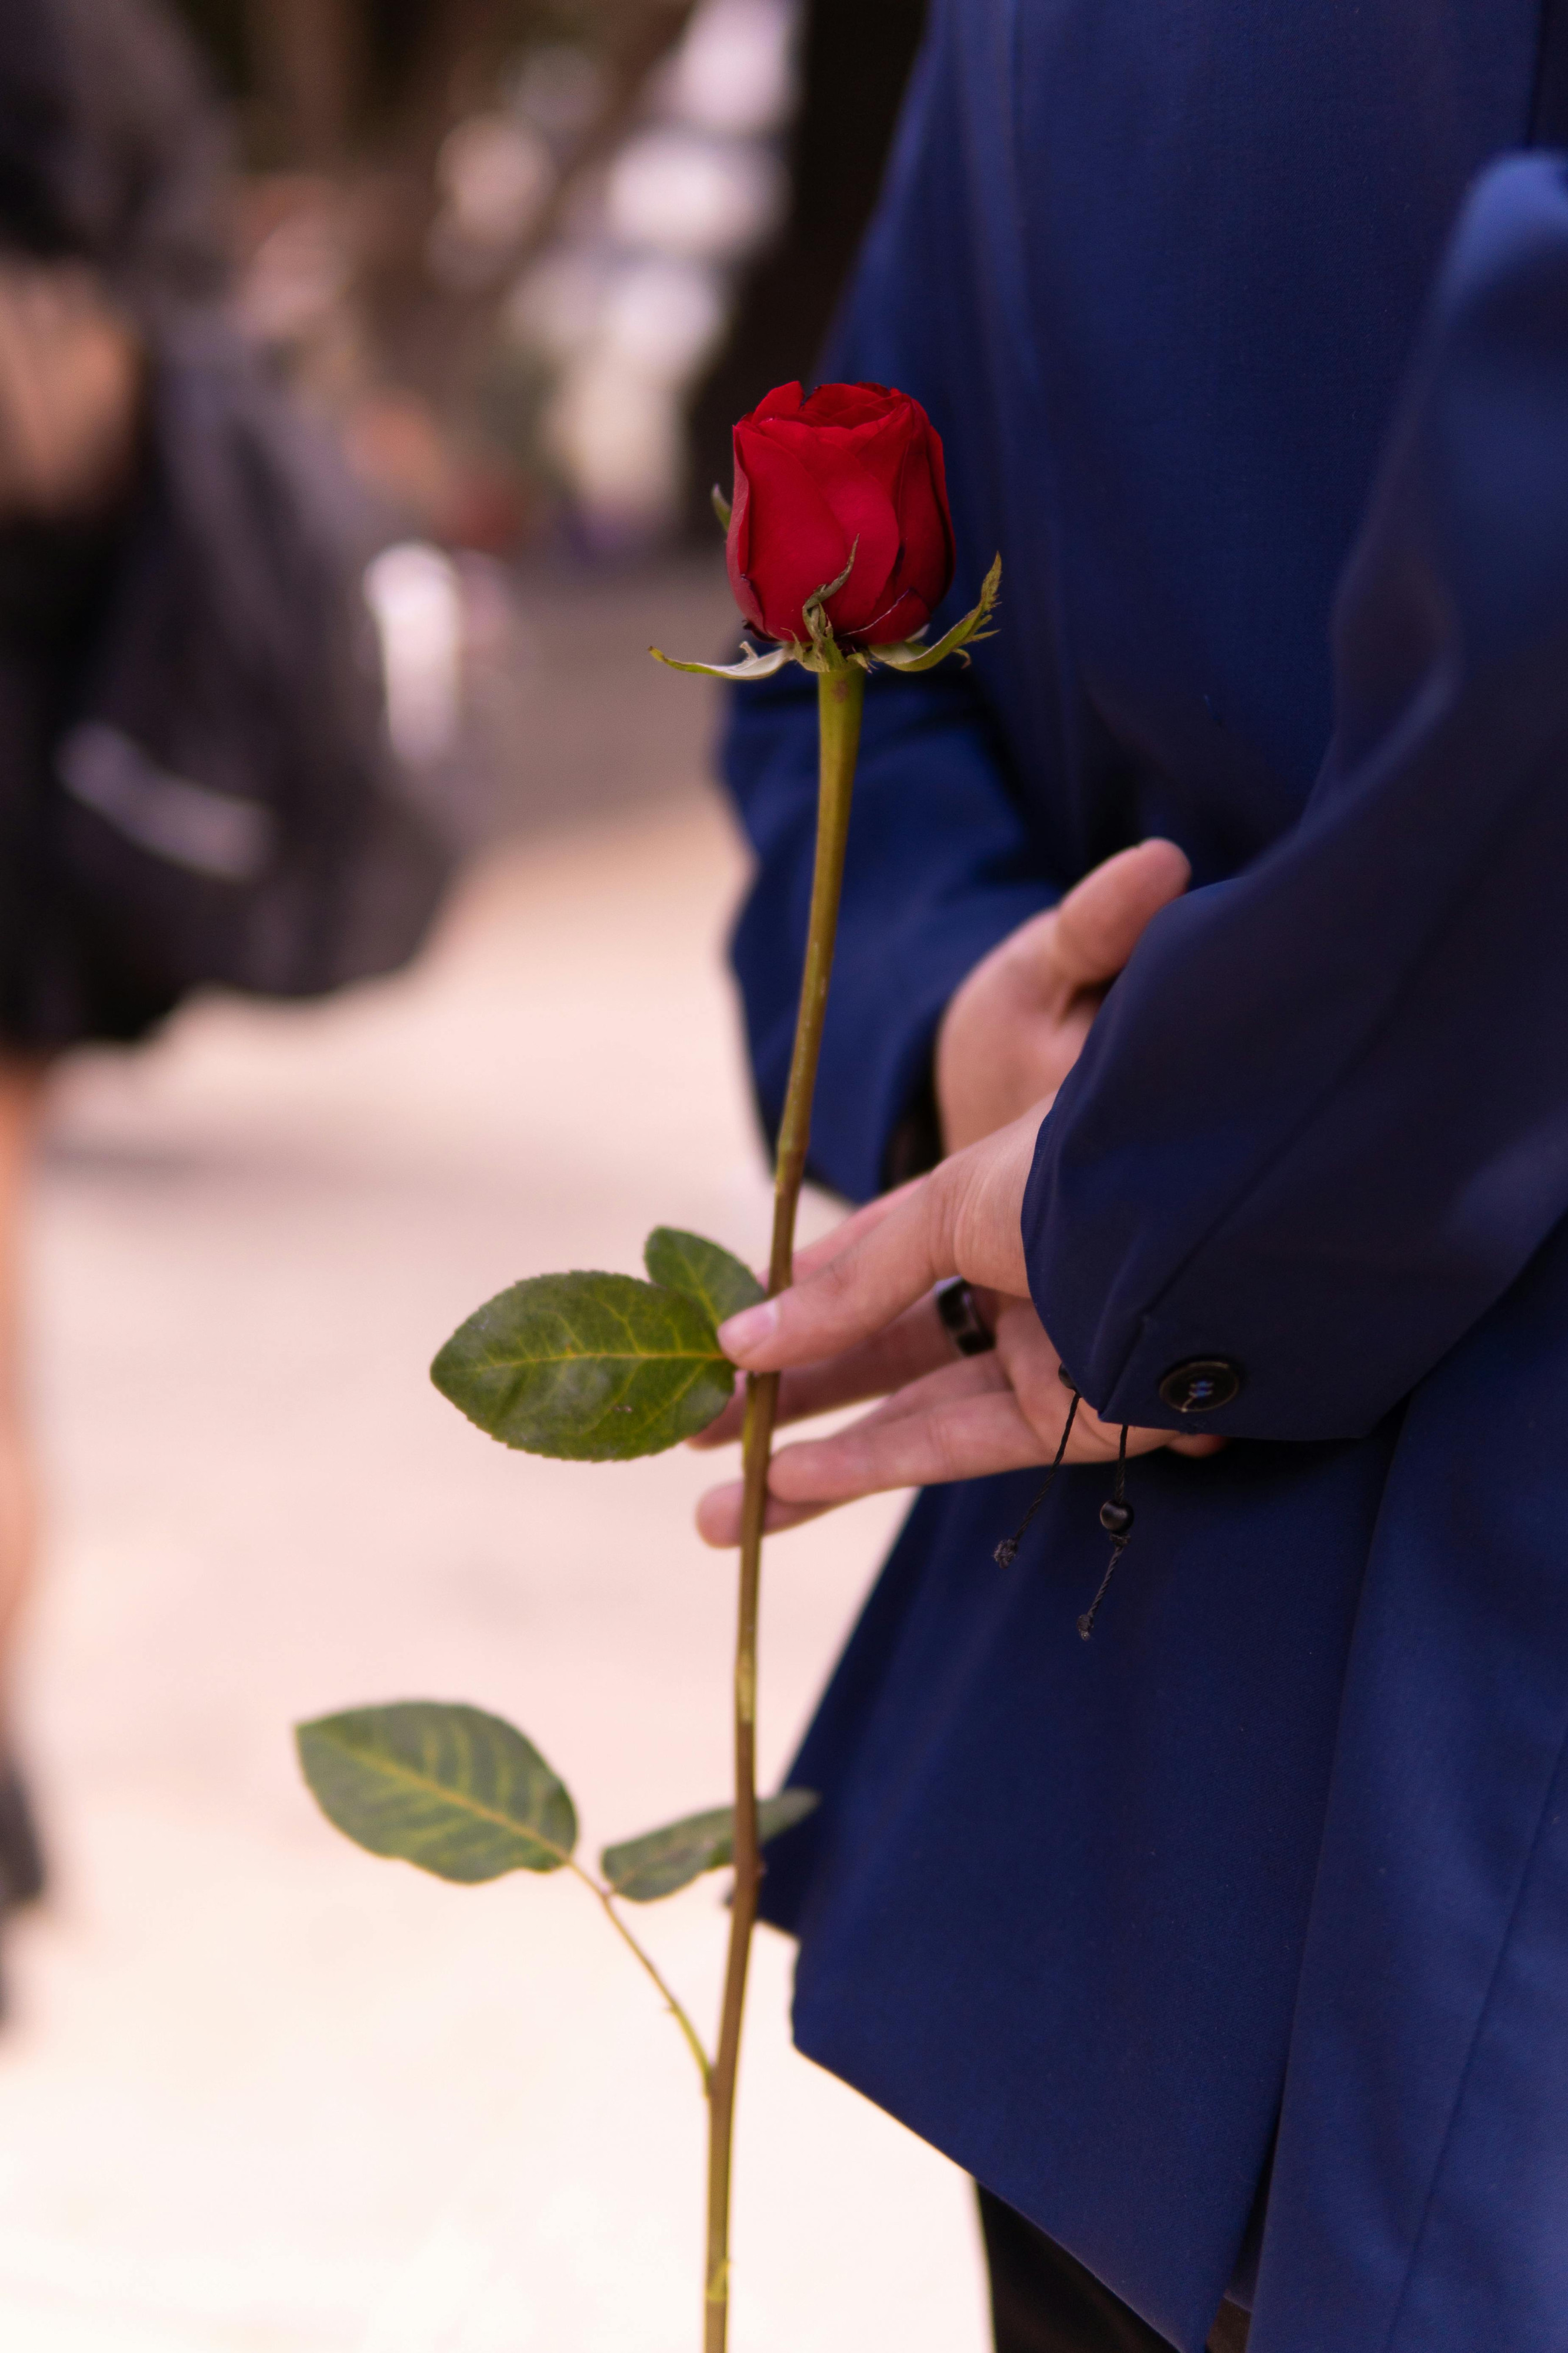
[(1006, 1552), (1116, 1519), (1115, 1515)]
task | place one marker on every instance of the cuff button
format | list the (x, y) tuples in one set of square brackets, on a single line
[(1201, 1385)]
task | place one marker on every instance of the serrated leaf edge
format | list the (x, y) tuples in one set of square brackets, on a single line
[(400, 1772), (685, 1233), (616, 1886)]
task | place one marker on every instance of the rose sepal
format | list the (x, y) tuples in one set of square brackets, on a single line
[(751, 664), (824, 652), (911, 656)]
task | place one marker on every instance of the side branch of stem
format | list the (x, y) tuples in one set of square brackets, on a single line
[(607, 1897)]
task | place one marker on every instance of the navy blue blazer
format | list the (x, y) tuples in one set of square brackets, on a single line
[(1246, 330)]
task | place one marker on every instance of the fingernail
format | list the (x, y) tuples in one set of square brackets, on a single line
[(749, 1330)]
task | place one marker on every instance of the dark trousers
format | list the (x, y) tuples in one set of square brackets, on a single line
[(1042, 2301)]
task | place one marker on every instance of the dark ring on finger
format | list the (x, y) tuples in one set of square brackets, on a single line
[(960, 1317)]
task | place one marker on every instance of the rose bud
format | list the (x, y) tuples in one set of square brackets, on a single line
[(854, 467)]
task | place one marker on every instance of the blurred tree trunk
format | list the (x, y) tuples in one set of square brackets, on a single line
[(435, 335), (310, 59), (855, 63)]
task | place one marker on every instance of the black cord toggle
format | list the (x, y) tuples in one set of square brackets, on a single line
[(1006, 1552), (1116, 1519)]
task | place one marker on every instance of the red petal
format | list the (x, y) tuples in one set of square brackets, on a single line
[(937, 456), (926, 563), (738, 543), (863, 508), (848, 403), (784, 400), (900, 621), (883, 446), (795, 541)]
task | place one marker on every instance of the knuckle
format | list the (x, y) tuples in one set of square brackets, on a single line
[(830, 1293), (946, 1449)]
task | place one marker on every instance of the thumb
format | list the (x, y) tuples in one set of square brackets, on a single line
[(1102, 918)]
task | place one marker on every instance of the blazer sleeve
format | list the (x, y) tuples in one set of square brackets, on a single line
[(1322, 1122), (942, 863), (938, 870)]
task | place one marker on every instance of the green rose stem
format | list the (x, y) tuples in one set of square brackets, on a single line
[(841, 693), (602, 1368)]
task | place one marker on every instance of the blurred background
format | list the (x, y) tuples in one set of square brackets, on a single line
[(521, 264), (532, 257), (528, 260)]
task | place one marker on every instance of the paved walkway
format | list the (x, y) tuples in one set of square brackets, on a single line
[(262, 2092)]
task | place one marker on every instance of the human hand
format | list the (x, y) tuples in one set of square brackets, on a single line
[(858, 1321), (1016, 1026)]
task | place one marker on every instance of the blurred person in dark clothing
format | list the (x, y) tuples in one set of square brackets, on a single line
[(194, 785)]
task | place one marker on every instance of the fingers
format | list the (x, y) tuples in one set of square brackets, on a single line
[(799, 1399), (839, 1305), (917, 1343), (960, 1219), (818, 1253), (931, 1443), (962, 1422), (1101, 919), (719, 1512), (950, 1433), (719, 1515), (950, 1383)]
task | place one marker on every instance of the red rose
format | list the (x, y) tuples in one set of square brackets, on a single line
[(858, 467)]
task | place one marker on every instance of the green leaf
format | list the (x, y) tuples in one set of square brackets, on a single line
[(588, 1367), (722, 507), (458, 1792), (644, 1869), (713, 1277)]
